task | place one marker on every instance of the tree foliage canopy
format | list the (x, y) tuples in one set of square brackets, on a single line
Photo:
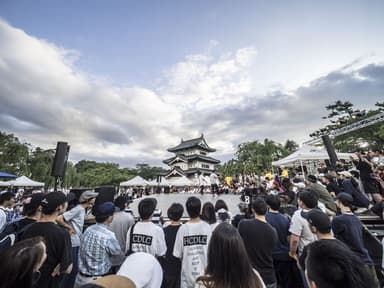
[(256, 157), (21, 159), (342, 114)]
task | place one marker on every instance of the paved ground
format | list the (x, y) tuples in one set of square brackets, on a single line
[(165, 200)]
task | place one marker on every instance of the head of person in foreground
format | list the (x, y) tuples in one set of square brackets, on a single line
[(331, 264)]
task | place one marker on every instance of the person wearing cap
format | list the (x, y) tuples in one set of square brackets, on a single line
[(57, 240), (145, 236), (348, 229), (322, 193), (320, 225), (31, 213), (15, 229), (98, 246), (122, 220), (352, 188), (73, 221)]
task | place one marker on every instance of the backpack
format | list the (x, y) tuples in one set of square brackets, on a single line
[(11, 234)]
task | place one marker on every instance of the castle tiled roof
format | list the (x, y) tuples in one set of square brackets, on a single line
[(192, 143), (187, 158)]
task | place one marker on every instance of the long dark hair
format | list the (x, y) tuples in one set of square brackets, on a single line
[(208, 213), (220, 204), (228, 262), (19, 262)]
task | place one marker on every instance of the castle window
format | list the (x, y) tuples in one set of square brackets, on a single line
[(205, 166)]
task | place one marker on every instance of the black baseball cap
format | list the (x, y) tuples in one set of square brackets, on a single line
[(319, 220), (345, 199), (104, 209), (52, 201)]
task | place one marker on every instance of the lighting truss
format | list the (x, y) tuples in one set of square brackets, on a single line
[(349, 128)]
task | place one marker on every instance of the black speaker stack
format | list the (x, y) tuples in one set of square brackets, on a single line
[(59, 165)]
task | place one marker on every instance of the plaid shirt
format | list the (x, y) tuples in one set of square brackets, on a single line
[(99, 243), (11, 214)]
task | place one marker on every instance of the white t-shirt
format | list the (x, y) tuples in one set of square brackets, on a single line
[(191, 245), (214, 179), (75, 217), (3, 219), (147, 237), (300, 227), (143, 269)]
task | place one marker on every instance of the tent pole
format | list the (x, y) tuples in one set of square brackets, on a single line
[(302, 168)]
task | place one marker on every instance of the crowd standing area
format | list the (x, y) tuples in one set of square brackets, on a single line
[(290, 231)]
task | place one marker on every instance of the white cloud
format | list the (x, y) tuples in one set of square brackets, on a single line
[(45, 98), (204, 82)]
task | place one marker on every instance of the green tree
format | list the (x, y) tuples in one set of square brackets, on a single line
[(148, 172), (291, 146), (40, 164), (339, 111), (255, 157), (342, 114), (13, 155)]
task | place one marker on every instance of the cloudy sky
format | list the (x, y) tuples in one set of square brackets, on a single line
[(122, 81)]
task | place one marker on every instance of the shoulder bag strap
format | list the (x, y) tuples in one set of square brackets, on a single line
[(129, 252)]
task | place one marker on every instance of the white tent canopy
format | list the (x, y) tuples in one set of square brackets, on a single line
[(4, 183), (164, 182), (136, 181), (24, 181), (152, 182), (180, 181), (308, 153)]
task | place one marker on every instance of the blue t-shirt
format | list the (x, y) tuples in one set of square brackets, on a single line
[(348, 228), (281, 224)]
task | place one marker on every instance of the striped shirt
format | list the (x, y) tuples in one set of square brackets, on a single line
[(99, 244)]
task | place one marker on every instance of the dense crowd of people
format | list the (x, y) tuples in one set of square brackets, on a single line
[(290, 231)]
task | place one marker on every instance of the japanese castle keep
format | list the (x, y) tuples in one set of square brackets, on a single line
[(191, 157)]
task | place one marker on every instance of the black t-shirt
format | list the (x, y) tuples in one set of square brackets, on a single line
[(333, 187), (22, 226), (365, 170), (260, 239), (25, 221), (171, 264), (59, 251), (236, 219), (348, 229)]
